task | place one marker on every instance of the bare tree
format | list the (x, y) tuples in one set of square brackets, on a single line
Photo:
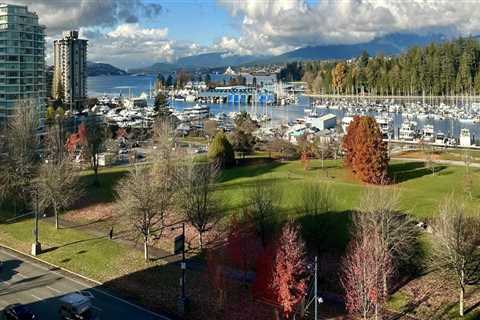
[(164, 139), (197, 201), (211, 128), (398, 234), (18, 159), (58, 186), (316, 198), (429, 160), (145, 197), (96, 135), (467, 177), (261, 203), (456, 245), (361, 274)]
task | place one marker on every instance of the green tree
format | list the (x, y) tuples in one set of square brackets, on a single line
[(221, 151)]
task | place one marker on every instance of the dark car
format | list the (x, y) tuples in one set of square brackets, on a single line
[(18, 312)]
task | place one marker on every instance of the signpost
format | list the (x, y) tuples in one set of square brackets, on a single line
[(179, 247)]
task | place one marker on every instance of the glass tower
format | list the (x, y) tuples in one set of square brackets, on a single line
[(22, 58)]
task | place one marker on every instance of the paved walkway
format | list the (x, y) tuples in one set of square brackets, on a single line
[(449, 162)]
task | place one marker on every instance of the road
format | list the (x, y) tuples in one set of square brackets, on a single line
[(40, 287)]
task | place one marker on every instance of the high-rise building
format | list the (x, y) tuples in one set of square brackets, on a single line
[(70, 75), (22, 58)]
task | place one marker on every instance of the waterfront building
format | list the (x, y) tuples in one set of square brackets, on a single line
[(70, 75), (22, 59)]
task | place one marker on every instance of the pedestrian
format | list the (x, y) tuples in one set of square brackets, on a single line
[(110, 234)]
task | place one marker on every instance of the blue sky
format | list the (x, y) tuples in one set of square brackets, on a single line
[(134, 33), (199, 21)]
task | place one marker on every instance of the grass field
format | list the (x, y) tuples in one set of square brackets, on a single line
[(105, 260)]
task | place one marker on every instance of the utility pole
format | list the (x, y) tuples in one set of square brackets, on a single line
[(315, 287), (36, 246)]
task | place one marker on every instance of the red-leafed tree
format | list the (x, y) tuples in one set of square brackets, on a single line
[(290, 276), (362, 274), (262, 288), (366, 152), (77, 139), (216, 275), (243, 245)]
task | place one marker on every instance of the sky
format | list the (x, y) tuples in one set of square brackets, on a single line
[(137, 33)]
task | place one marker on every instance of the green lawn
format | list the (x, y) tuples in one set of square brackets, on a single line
[(104, 260)]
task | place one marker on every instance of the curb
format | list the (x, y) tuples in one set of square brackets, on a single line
[(111, 295), (51, 264)]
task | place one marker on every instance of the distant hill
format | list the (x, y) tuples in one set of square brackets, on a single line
[(103, 69), (388, 45), (214, 60)]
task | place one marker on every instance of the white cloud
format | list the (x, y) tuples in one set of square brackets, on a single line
[(277, 25), (133, 31)]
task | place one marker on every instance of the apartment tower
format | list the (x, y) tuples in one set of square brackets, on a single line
[(70, 73), (22, 59)]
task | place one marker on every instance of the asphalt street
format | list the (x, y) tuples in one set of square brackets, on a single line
[(40, 288)]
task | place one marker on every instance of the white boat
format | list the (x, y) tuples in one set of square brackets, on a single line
[(440, 138), (346, 122), (386, 126), (408, 130), (428, 134), (197, 112)]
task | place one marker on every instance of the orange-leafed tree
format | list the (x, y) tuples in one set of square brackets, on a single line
[(77, 139), (366, 152), (290, 275)]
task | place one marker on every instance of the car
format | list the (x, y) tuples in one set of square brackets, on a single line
[(18, 312), (77, 306)]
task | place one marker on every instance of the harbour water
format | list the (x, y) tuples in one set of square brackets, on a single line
[(135, 85)]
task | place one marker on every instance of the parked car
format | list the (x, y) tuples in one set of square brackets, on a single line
[(18, 312), (77, 306)]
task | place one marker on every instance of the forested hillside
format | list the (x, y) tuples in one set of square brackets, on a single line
[(438, 69)]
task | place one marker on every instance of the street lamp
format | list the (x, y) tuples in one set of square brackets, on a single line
[(179, 247), (36, 246)]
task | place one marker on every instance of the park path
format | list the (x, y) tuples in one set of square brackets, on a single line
[(449, 162), (119, 237)]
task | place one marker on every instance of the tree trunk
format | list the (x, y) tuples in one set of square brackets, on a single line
[(462, 292), (55, 211), (145, 249), (201, 240)]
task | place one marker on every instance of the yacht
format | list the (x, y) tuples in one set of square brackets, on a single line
[(408, 130), (197, 112), (386, 126), (440, 138), (346, 122), (428, 133)]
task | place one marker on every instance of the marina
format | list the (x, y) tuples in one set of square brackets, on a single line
[(439, 120)]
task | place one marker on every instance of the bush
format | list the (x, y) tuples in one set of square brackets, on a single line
[(221, 151)]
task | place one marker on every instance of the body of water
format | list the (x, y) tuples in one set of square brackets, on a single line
[(135, 85)]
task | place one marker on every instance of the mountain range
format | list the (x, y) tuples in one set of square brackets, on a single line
[(389, 45), (103, 69)]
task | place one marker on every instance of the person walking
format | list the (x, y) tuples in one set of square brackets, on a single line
[(110, 234)]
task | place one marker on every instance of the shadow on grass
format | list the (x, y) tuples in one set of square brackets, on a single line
[(327, 232), (71, 244), (404, 171), (248, 171), (103, 193)]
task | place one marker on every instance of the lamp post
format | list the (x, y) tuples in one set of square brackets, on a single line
[(36, 246), (179, 247)]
